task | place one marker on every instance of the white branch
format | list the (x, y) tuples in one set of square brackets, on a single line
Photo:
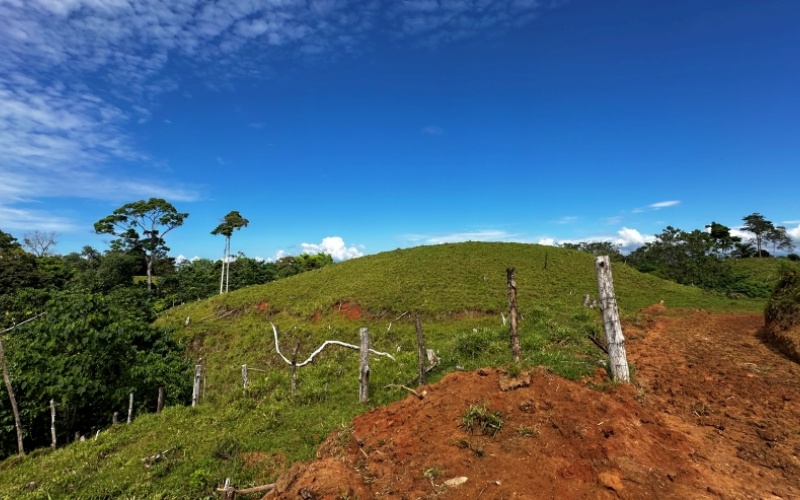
[(320, 348)]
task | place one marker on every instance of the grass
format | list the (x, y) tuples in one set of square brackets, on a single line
[(459, 293), (764, 271), (481, 418)]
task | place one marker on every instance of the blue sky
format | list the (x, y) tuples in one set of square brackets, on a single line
[(358, 126)]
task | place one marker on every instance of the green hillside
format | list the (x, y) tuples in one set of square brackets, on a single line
[(459, 293), (765, 271)]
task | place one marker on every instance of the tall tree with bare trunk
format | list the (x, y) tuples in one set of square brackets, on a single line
[(232, 222)]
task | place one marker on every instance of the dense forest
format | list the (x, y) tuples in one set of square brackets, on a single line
[(76, 328)]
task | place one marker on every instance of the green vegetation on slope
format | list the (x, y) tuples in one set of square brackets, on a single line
[(459, 292)]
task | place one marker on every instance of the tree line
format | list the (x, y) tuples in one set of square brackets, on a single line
[(95, 343), (703, 257)]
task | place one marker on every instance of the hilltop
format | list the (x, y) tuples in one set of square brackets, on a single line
[(253, 434)]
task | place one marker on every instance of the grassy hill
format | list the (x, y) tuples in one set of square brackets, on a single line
[(766, 271), (459, 293)]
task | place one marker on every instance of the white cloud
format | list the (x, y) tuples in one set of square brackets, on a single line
[(744, 235), (794, 232), (12, 218), (550, 242), (629, 239), (657, 206), (333, 246)]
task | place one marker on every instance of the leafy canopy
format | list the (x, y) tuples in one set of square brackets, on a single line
[(233, 221)]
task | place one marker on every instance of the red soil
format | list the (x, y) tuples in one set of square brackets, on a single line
[(714, 413)]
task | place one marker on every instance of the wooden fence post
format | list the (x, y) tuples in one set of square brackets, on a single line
[(160, 400), (512, 306), (115, 418), (363, 393), (245, 380), (421, 352), (198, 375), (53, 424), (130, 407), (608, 304)]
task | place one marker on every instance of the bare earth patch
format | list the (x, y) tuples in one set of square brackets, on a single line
[(714, 413)]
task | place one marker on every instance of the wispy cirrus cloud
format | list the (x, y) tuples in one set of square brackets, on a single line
[(657, 206), (567, 219), (21, 219), (77, 76)]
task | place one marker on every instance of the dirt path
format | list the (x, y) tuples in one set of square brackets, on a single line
[(714, 414)]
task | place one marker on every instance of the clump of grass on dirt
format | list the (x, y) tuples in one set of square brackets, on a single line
[(481, 418)]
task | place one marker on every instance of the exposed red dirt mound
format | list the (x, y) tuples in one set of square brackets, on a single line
[(714, 413)]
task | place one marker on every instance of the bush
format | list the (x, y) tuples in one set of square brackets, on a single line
[(793, 257)]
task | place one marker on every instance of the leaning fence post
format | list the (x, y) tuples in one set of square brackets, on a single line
[(52, 423), (245, 380), (363, 393), (198, 375), (614, 338), (130, 407)]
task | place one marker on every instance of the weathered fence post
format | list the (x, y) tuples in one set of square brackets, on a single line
[(130, 407), (420, 350), (228, 491), (512, 306), (245, 380), (53, 424), (115, 418), (198, 375), (614, 338), (363, 393), (160, 400)]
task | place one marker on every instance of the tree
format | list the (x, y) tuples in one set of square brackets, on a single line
[(144, 224), (233, 221), (743, 250), (39, 243), (780, 239), (759, 226), (17, 267), (721, 234), (88, 353), (685, 257), (597, 248)]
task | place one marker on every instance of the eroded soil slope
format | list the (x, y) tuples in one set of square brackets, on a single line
[(714, 413)]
